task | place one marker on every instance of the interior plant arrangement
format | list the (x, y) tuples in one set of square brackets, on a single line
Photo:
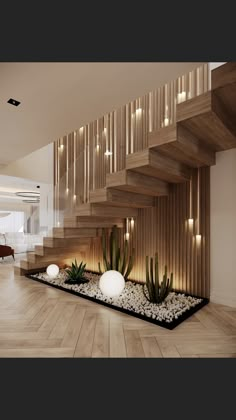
[(115, 261), (75, 274), (157, 292)]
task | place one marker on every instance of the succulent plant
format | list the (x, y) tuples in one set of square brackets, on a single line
[(156, 292), (75, 274), (116, 261)]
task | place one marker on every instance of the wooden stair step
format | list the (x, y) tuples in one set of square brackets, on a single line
[(99, 210), (75, 232), (224, 75), (180, 144), (126, 180), (30, 267), (51, 242), (206, 118), (35, 258), (154, 164), (92, 221), (45, 251), (119, 198)]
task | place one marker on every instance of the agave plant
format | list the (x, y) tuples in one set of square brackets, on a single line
[(116, 261), (156, 292), (75, 274)]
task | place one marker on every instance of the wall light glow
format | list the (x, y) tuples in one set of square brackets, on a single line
[(181, 97), (127, 236), (166, 122), (107, 153), (198, 238), (190, 222), (132, 223)]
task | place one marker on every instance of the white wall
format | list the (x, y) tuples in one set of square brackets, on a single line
[(37, 166), (223, 229)]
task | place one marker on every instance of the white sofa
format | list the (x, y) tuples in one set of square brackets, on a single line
[(22, 242)]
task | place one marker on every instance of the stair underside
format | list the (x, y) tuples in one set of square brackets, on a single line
[(111, 196), (154, 164), (206, 118), (130, 181), (180, 144)]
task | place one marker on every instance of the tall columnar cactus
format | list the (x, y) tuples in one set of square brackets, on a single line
[(156, 292), (116, 261)]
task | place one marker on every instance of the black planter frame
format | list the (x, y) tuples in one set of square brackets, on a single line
[(164, 324)]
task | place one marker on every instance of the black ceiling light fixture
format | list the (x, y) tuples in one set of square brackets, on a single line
[(13, 102)]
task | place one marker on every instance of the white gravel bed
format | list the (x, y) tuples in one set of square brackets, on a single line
[(132, 297)]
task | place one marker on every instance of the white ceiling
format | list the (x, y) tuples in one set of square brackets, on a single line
[(57, 98)]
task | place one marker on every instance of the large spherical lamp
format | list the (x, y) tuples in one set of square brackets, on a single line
[(52, 271), (111, 283)]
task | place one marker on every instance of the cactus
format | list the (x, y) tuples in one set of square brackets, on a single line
[(115, 261), (75, 274), (156, 292)]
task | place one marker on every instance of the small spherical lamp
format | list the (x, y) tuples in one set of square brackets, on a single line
[(52, 271), (111, 283)]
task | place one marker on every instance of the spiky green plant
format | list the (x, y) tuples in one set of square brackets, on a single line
[(156, 292), (115, 261), (75, 274)]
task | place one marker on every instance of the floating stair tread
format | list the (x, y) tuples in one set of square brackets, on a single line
[(126, 180), (46, 251), (154, 164), (119, 198), (51, 242), (180, 144), (35, 258), (68, 232), (101, 211), (205, 118), (224, 75), (92, 221)]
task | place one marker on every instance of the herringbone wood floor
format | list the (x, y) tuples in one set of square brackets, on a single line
[(39, 321)]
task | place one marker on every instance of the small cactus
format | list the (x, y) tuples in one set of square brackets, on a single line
[(156, 292), (115, 261)]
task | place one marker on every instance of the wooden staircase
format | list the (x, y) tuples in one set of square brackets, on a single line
[(204, 125)]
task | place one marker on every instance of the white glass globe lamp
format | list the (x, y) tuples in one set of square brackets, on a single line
[(52, 271), (111, 283)]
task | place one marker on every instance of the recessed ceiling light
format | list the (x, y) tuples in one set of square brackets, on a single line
[(13, 102)]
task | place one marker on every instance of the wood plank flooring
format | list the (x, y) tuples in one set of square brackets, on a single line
[(39, 321)]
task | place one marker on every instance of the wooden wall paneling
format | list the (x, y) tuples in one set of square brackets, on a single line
[(162, 228)]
